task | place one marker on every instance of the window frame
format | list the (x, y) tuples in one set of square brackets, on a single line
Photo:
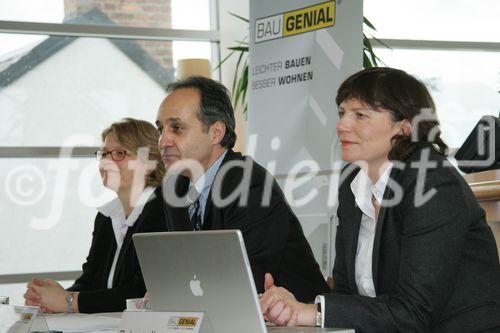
[(96, 31), (435, 45)]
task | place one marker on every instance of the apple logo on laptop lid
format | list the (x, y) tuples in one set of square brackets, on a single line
[(195, 286)]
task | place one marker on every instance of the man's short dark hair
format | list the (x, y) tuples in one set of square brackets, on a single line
[(215, 104)]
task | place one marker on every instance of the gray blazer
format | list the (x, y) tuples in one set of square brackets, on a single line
[(435, 266)]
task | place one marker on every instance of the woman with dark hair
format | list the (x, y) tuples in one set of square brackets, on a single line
[(130, 164), (413, 250)]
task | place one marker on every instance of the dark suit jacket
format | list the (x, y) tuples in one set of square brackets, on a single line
[(273, 236), (435, 266), (127, 281)]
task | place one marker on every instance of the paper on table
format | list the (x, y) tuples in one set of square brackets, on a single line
[(78, 322)]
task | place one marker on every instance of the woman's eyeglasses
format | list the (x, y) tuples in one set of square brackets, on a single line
[(116, 154)]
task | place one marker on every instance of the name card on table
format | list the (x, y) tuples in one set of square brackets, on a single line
[(164, 322), (16, 319)]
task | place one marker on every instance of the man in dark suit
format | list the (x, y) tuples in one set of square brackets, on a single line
[(220, 189)]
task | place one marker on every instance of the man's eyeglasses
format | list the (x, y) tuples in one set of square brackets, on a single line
[(116, 154)]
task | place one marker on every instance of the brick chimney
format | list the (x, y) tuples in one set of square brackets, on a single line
[(132, 13)]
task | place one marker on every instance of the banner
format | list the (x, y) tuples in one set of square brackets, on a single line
[(300, 52)]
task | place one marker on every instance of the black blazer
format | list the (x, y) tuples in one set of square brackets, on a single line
[(435, 266), (273, 236), (127, 280)]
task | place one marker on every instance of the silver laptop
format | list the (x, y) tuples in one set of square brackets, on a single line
[(201, 271), (205, 271)]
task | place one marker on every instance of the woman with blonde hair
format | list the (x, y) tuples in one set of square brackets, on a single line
[(130, 164)]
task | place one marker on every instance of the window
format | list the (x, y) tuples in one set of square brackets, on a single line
[(84, 83), (61, 84), (172, 14), (453, 20), (464, 85), (453, 46), (48, 204)]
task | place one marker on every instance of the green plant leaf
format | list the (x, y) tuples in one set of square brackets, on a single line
[(238, 91), (236, 73), (241, 89), (240, 17), (239, 48), (382, 43), (242, 42), (368, 23), (223, 60), (366, 61), (244, 86)]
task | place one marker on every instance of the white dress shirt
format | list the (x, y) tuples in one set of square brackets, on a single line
[(114, 210), (203, 186), (364, 190)]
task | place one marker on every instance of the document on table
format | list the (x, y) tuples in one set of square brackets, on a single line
[(78, 322)]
